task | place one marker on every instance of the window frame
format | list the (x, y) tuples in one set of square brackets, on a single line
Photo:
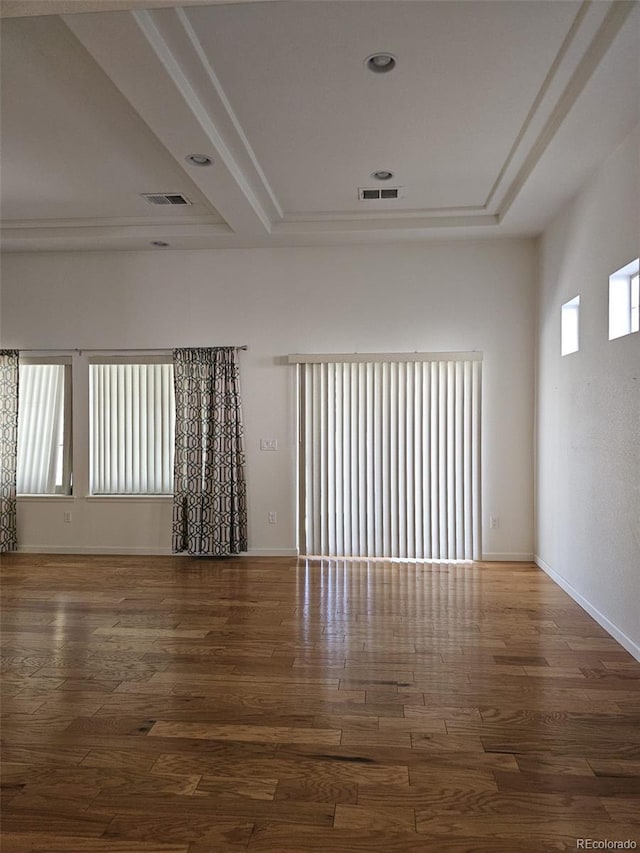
[(570, 326), (624, 311), (634, 300)]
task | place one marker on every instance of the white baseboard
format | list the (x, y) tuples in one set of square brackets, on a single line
[(506, 557), (272, 552), (632, 647), (92, 549), (151, 552)]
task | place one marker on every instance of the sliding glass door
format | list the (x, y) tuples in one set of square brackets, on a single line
[(390, 456)]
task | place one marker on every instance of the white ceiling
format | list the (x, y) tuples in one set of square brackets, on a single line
[(493, 117)]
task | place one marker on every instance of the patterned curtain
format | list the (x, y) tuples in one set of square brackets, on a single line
[(8, 447), (209, 492)]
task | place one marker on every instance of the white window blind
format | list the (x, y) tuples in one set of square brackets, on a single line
[(43, 430), (390, 458), (132, 428)]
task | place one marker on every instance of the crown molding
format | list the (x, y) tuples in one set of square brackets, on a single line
[(173, 222), (385, 214), (282, 235), (94, 234), (388, 225)]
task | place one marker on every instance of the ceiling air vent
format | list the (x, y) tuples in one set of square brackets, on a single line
[(374, 194), (165, 198)]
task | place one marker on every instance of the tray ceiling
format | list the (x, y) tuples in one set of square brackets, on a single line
[(482, 121)]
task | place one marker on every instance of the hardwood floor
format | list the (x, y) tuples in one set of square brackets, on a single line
[(171, 705)]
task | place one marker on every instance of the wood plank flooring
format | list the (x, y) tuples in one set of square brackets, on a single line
[(172, 705)]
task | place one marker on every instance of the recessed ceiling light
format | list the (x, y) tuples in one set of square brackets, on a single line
[(199, 159), (380, 63), (159, 243), (382, 175)]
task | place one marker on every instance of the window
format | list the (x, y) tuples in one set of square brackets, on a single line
[(624, 301), (570, 330), (132, 418), (44, 429)]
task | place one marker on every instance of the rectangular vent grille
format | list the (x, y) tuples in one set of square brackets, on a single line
[(165, 198), (375, 194)]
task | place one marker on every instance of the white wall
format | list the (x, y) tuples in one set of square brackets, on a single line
[(430, 297), (588, 404)]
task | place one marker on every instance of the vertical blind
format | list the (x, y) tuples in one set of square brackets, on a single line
[(132, 428), (390, 458), (41, 431)]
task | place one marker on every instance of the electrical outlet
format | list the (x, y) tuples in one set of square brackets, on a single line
[(494, 522), (67, 517), (268, 444), (273, 518)]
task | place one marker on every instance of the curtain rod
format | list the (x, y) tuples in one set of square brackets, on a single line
[(80, 350)]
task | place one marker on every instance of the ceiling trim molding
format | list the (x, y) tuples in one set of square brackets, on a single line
[(224, 105), (617, 14), (149, 27), (34, 8), (130, 49), (535, 108), (175, 222), (138, 238), (388, 225), (386, 214), (163, 230), (158, 231)]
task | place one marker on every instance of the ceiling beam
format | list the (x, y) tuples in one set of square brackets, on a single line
[(131, 50)]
